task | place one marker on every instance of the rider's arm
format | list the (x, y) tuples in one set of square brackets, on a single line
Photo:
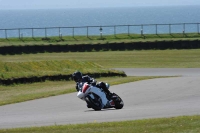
[(90, 80)]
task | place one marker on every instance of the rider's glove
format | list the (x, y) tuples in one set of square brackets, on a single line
[(93, 83)]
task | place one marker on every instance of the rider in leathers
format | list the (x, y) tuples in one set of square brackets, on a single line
[(78, 78)]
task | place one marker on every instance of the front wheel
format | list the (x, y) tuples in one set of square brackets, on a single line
[(119, 104), (95, 102)]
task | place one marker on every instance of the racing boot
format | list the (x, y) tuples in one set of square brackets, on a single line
[(110, 103)]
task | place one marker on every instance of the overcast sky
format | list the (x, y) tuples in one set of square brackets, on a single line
[(48, 4)]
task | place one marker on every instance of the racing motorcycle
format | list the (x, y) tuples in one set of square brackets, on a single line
[(96, 98)]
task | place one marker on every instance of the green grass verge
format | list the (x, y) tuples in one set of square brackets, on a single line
[(24, 92), (120, 59), (96, 39), (182, 124), (48, 68)]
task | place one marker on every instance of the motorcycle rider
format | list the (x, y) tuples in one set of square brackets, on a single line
[(79, 78)]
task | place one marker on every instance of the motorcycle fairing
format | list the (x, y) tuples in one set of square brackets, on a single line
[(85, 87), (92, 89)]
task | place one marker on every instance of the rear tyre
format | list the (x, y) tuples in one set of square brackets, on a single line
[(95, 103)]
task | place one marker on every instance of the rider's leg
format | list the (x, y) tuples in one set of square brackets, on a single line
[(105, 88)]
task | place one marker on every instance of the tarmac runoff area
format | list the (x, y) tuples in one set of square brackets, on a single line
[(154, 98)]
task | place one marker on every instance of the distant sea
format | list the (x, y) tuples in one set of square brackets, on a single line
[(97, 17)]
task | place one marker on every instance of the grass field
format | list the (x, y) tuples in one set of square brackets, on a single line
[(183, 124), (120, 59), (48, 68)]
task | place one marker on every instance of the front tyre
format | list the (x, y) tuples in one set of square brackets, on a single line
[(95, 102), (119, 104)]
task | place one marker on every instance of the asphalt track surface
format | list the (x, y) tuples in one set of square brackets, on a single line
[(154, 98)]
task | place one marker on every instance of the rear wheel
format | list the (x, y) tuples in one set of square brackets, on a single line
[(95, 102)]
